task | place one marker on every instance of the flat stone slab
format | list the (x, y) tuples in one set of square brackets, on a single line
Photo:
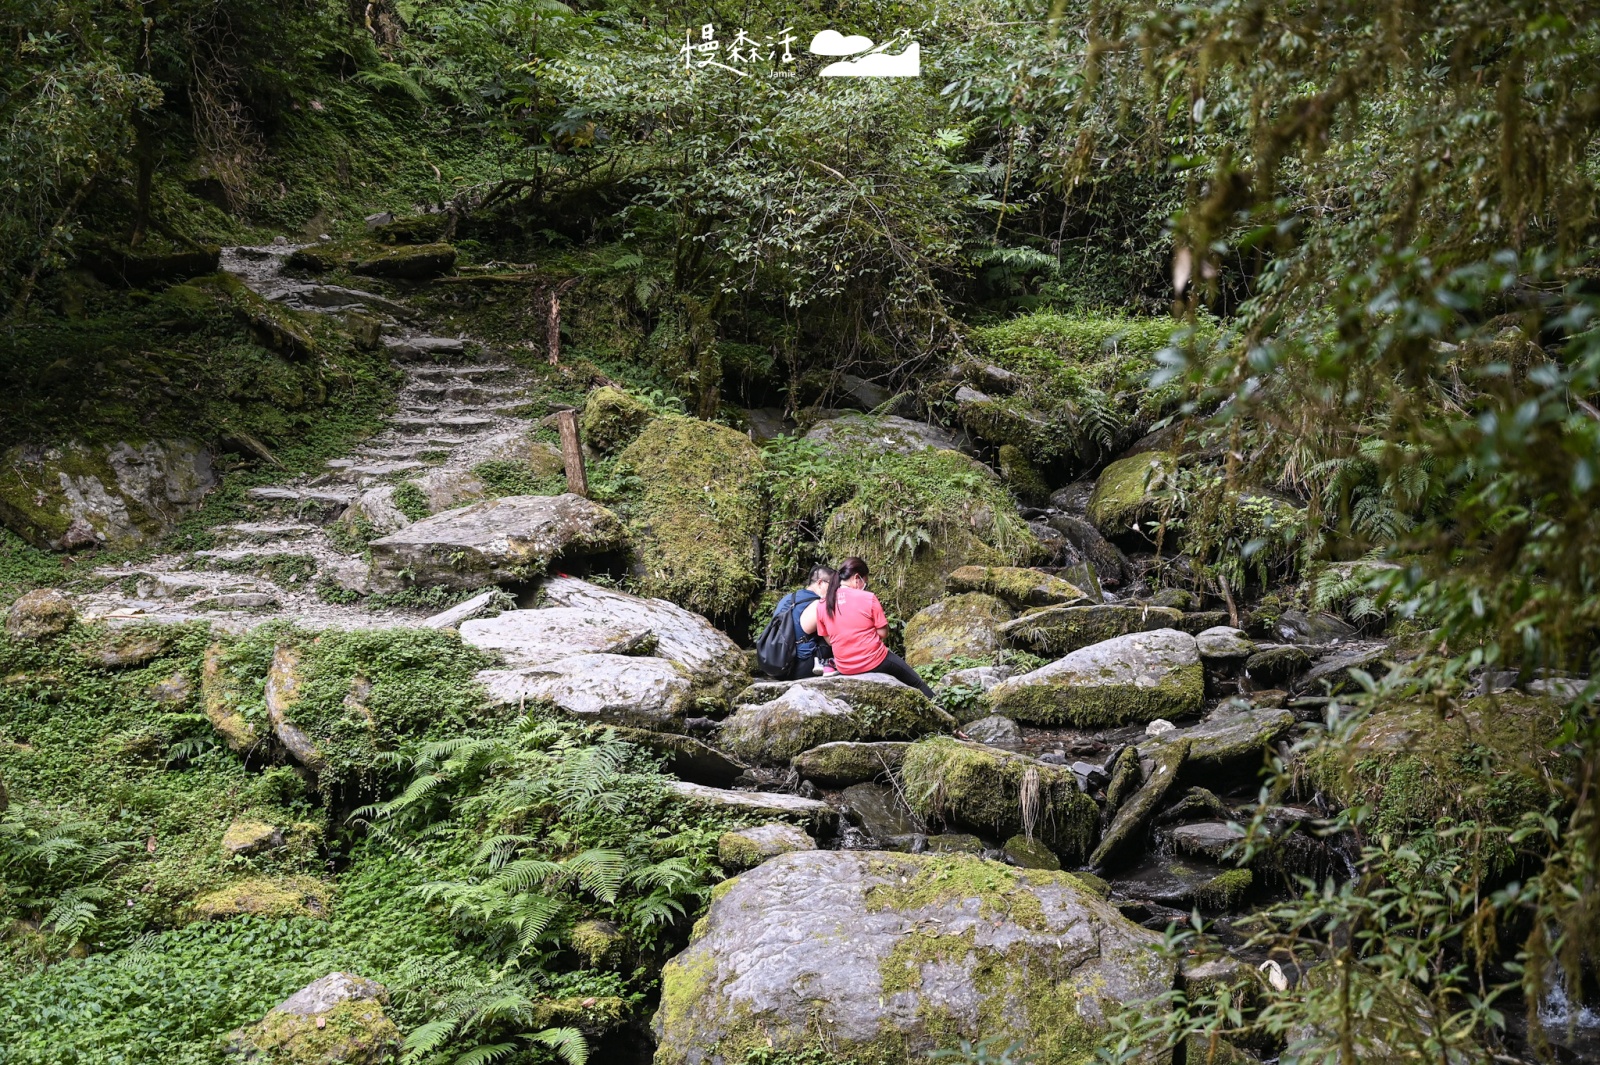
[(1138, 677), (1059, 629), (614, 688), (1225, 642), (807, 713), (895, 955), (508, 539), (762, 803), (1224, 740), (539, 637), (883, 432), (838, 765)]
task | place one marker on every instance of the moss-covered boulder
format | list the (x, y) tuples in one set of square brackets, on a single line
[(878, 433), (1000, 794), (411, 262), (697, 525), (1228, 741), (1418, 763), (1138, 677), (1060, 629), (746, 848), (901, 954), (632, 690), (75, 495), (246, 835), (960, 626), (337, 1020), (224, 700), (807, 713), (39, 614), (612, 419), (838, 765), (291, 896), (1018, 586), (1124, 496)]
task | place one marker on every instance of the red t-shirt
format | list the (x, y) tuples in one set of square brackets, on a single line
[(852, 631)]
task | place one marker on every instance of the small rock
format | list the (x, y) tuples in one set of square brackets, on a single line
[(382, 218), (996, 731), (1208, 839), (954, 843), (172, 691), (280, 241), (1158, 726), (337, 1020), (1090, 776), (1298, 626), (981, 677), (746, 848), (879, 813), (1224, 641), (840, 764), (245, 836), (38, 614), (1269, 699), (1030, 853)]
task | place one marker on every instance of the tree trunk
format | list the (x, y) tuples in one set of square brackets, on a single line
[(572, 452)]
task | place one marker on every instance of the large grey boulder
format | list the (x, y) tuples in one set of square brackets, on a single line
[(539, 637), (682, 636), (337, 1020), (807, 713), (1228, 740), (1138, 677), (960, 626), (1059, 629), (884, 432), (80, 495), (625, 690), (514, 538), (896, 955), (40, 613)]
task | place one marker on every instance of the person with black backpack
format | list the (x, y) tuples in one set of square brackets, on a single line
[(787, 650)]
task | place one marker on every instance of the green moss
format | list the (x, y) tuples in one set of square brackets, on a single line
[(295, 896), (687, 981), (1224, 890), (1180, 692), (1064, 629), (697, 524), (1019, 474), (986, 789), (612, 419), (410, 500), (1124, 493), (354, 1032), (597, 942), (951, 879), (1017, 586), (959, 626)]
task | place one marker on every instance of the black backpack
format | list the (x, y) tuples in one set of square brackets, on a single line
[(776, 646)]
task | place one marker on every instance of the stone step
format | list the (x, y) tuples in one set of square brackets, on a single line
[(461, 393), (431, 442), (445, 371), (448, 422), (260, 531), (402, 454), (357, 468), (425, 348), (255, 555), (308, 503)]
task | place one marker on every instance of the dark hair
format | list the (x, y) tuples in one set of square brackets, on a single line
[(820, 573), (852, 567)]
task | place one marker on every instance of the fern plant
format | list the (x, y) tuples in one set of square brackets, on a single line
[(54, 871)]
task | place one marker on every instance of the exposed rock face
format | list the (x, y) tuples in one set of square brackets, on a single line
[(513, 538), (38, 614), (539, 637), (883, 432), (688, 639), (1018, 586), (897, 955), (807, 713), (745, 848), (962, 625), (838, 765), (1057, 630), (337, 1020), (1139, 677), (1000, 793), (82, 495), (647, 692), (411, 262), (282, 693), (1123, 495), (221, 698)]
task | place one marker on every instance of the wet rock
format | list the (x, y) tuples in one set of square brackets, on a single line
[(758, 803), (1029, 853), (282, 693), (41, 613), (1195, 804), (412, 262), (618, 689), (1298, 626), (1074, 498), (746, 848), (539, 637), (1062, 629), (291, 896), (1124, 493), (882, 432), (1130, 820), (878, 811), (1109, 563), (808, 713), (838, 765), (1207, 839), (1224, 642), (685, 757), (79, 495), (1276, 666), (222, 697), (954, 843), (513, 538), (1331, 674), (248, 836), (1182, 883), (1138, 677), (1227, 741), (994, 731), (999, 793), (963, 626), (688, 639), (981, 677), (1017, 586), (1127, 773), (899, 954), (337, 1020)]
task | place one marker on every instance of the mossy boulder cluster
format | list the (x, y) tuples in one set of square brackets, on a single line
[(777, 721), (900, 955)]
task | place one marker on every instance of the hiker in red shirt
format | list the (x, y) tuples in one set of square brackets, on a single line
[(851, 619)]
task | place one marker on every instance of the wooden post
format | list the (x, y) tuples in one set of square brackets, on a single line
[(572, 452), (553, 320)]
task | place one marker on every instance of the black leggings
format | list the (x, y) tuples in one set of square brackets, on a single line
[(896, 667)]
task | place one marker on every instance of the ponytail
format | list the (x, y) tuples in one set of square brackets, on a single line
[(853, 567)]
